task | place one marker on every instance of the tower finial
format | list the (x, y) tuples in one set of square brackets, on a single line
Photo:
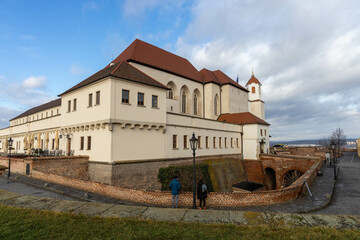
[(252, 72)]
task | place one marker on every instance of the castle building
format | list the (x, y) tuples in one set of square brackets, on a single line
[(144, 106)]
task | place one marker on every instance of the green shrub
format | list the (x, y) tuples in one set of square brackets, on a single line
[(185, 173)]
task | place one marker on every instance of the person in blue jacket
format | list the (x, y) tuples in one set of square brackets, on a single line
[(175, 187)]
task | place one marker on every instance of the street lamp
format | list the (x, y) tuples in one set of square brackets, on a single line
[(10, 145), (333, 145), (193, 144)]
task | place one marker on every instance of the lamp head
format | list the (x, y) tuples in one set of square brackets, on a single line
[(10, 142), (193, 142)]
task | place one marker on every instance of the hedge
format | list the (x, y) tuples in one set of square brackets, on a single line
[(185, 173)]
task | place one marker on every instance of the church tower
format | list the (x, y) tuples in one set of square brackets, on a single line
[(256, 105)]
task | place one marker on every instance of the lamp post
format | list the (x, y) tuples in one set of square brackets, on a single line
[(193, 144), (333, 145), (10, 145)]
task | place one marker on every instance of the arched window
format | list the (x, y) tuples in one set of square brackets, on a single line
[(253, 89), (195, 105), (216, 105), (171, 94), (183, 102)]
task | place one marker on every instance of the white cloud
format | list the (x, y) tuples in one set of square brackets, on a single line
[(305, 53), (34, 82)]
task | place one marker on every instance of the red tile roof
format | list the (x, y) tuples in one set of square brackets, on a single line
[(253, 79), (241, 118), (220, 78), (40, 108), (147, 54), (122, 70)]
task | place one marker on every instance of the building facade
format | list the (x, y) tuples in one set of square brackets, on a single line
[(144, 106)]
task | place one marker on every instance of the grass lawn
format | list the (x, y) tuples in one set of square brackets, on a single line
[(17, 223)]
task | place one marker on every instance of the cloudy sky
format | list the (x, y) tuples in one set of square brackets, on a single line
[(306, 53)]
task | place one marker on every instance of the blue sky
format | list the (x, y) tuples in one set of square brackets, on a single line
[(305, 53)]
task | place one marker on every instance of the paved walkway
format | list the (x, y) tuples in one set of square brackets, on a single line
[(178, 215), (346, 198)]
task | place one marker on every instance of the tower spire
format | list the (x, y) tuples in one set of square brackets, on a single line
[(252, 72)]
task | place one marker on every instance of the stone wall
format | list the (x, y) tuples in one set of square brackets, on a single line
[(69, 166), (224, 171), (233, 199), (300, 151)]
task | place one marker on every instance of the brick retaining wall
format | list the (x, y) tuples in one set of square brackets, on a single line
[(233, 199), (69, 166)]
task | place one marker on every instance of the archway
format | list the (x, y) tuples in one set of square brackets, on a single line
[(270, 179), (290, 177)]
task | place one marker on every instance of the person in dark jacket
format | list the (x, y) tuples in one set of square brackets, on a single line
[(175, 187), (202, 193)]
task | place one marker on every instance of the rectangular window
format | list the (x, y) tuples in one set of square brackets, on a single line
[(89, 143), (74, 107), (46, 114), (261, 132), (265, 132), (154, 102), (140, 99), (81, 143), (69, 106), (98, 98), (125, 96), (90, 100), (207, 142), (220, 145), (199, 142), (232, 144), (53, 144), (174, 141), (237, 142), (185, 141), (214, 142), (42, 116), (57, 111), (52, 112), (225, 140)]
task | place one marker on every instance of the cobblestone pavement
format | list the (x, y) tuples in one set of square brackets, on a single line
[(346, 197)]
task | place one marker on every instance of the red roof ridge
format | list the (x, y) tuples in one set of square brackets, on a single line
[(241, 118)]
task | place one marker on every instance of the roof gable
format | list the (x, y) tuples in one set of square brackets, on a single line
[(241, 118), (253, 79), (120, 70), (219, 78), (150, 55)]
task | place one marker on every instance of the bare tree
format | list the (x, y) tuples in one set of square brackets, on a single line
[(338, 137)]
